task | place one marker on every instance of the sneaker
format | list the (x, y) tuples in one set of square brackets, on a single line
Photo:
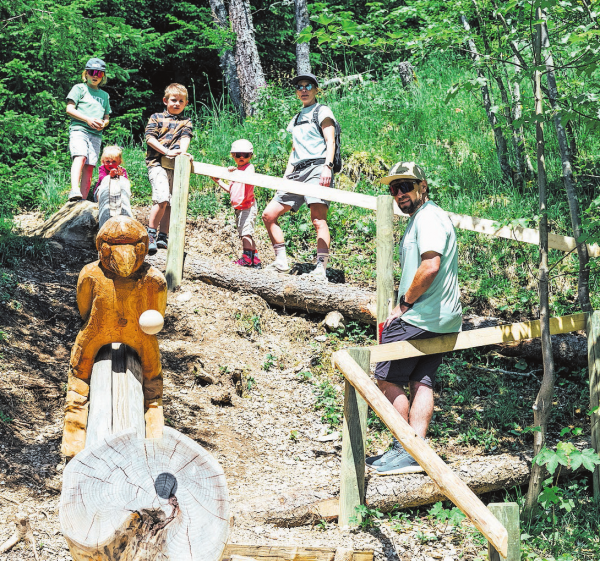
[(75, 195), (318, 273), (256, 262), (403, 463), (152, 247), (377, 461), (162, 241), (244, 261), (277, 268)]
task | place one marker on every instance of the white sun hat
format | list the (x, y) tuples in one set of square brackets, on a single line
[(242, 145)]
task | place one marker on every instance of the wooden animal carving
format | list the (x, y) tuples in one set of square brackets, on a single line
[(112, 294)]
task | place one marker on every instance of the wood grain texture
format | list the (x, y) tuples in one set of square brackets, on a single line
[(475, 338), (593, 330), (508, 514), (289, 553), (117, 501), (450, 484), (385, 256)]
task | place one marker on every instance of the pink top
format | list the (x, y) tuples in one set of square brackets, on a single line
[(242, 194), (103, 171)]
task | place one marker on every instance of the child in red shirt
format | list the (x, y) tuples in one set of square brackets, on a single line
[(242, 200), (112, 158)]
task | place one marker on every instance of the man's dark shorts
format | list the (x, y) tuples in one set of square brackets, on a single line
[(415, 369)]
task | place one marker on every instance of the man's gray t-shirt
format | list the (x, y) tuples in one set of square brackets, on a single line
[(308, 142), (92, 103), (438, 309)]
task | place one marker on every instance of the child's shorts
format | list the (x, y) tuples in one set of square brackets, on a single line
[(83, 143), (245, 220), (161, 180)]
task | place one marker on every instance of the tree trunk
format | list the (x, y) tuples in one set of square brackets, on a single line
[(583, 290), (501, 147), (543, 403), (249, 68), (302, 49), (228, 64)]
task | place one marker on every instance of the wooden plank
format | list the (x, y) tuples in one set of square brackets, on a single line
[(385, 258), (354, 434), (475, 338), (448, 482), (464, 222), (508, 515), (179, 202), (127, 391), (593, 330), (99, 422), (291, 553)]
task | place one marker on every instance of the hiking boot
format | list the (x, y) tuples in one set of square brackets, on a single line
[(377, 461), (402, 463), (152, 247), (244, 261), (277, 268), (162, 241), (75, 195), (256, 262), (318, 273)]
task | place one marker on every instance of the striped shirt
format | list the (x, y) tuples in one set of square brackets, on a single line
[(168, 130)]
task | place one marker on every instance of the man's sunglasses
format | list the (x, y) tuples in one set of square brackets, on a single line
[(306, 87), (403, 186), (242, 154), (99, 73)]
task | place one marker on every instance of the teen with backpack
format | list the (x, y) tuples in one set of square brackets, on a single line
[(314, 159)]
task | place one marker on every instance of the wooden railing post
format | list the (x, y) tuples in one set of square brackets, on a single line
[(352, 471), (385, 258), (179, 203), (508, 515), (593, 333)]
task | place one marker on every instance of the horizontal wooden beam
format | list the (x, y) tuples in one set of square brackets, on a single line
[(461, 221), (475, 338), (445, 478), (291, 553)]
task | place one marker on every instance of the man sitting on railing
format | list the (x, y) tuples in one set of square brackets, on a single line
[(429, 306)]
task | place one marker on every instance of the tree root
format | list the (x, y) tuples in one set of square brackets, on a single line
[(23, 530)]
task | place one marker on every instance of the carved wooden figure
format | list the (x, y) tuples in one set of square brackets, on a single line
[(112, 294)]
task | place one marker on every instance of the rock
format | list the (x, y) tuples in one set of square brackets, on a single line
[(222, 399), (328, 437), (76, 223), (407, 73), (334, 321), (55, 245), (184, 297), (203, 377), (321, 338)]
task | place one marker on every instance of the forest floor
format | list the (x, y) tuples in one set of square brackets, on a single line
[(242, 379)]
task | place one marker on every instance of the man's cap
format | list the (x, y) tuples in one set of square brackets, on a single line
[(404, 170), (307, 76), (95, 64), (242, 145)]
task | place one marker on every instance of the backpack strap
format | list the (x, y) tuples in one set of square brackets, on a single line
[(296, 119), (315, 119)]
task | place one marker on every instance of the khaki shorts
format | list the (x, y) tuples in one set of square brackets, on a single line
[(245, 220), (83, 143), (310, 174), (161, 180)]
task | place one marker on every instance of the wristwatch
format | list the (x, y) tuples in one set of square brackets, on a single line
[(329, 165), (403, 302)]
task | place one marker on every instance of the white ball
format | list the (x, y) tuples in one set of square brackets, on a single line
[(151, 322)]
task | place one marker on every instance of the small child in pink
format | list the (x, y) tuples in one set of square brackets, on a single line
[(242, 200), (112, 158)]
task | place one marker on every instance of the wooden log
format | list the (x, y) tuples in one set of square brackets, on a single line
[(385, 258), (179, 203), (354, 434), (508, 514), (593, 330), (476, 338), (140, 499), (450, 484), (289, 553)]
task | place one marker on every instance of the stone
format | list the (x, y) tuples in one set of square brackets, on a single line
[(75, 223), (407, 73), (334, 321)]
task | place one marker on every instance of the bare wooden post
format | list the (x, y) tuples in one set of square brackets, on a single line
[(179, 203), (352, 471), (508, 515), (385, 258), (593, 331)]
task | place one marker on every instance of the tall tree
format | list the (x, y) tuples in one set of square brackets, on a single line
[(249, 68), (227, 57), (302, 49)]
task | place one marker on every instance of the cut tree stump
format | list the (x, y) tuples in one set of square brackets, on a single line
[(138, 499)]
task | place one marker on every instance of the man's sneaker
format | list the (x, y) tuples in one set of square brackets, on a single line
[(244, 261), (277, 268), (152, 247), (162, 241), (318, 273), (377, 461), (75, 195), (256, 262), (403, 463)]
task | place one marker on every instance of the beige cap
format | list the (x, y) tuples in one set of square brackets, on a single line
[(404, 170), (242, 145)]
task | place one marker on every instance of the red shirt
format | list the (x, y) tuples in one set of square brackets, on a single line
[(242, 194)]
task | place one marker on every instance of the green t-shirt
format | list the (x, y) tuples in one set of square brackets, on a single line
[(92, 103), (437, 310)]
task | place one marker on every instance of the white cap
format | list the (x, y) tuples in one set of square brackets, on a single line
[(242, 145)]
